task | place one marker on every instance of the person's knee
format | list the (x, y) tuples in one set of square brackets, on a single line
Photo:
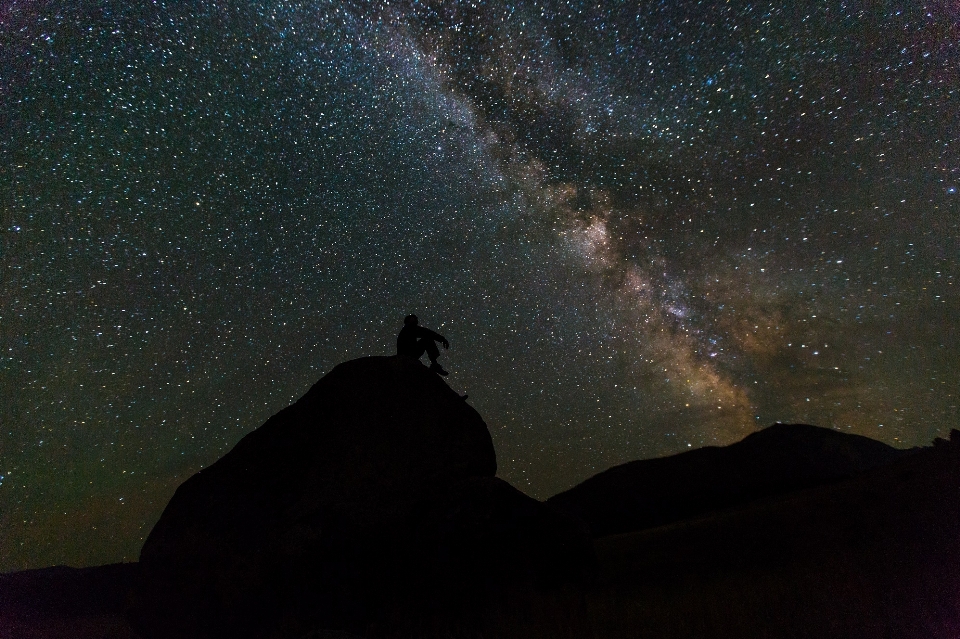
[(421, 347)]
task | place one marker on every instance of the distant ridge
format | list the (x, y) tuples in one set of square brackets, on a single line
[(62, 591), (776, 460)]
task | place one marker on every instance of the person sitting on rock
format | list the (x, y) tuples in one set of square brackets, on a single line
[(414, 340)]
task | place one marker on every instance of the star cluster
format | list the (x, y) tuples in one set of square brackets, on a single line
[(644, 227)]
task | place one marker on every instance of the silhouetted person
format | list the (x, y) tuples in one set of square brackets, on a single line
[(415, 340)]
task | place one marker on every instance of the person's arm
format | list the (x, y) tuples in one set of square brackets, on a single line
[(437, 337)]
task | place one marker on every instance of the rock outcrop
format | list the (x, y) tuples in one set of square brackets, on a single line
[(774, 461), (374, 490)]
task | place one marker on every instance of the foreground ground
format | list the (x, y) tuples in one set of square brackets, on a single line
[(875, 556)]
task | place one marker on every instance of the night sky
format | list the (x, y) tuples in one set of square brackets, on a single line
[(643, 227)]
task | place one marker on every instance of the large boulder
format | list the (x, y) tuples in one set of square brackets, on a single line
[(306, 511), (372, 500)]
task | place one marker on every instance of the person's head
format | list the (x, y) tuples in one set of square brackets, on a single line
[(410, 320)]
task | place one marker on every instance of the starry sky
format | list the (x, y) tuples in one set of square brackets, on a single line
[(643, 227)]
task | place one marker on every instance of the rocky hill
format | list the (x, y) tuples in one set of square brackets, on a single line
[(873, 556), (777, 460)]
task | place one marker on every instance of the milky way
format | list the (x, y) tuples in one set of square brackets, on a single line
[(643, 227)]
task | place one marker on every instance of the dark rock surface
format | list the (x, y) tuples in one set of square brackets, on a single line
[(376, 487), (478, 546), (485, 529), (775, 461)]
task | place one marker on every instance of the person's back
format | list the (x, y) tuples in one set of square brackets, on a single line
[(414, 341)]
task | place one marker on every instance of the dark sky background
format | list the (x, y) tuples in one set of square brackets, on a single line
[(644, 227)]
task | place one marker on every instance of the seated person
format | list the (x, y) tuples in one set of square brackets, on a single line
[(414, 340)]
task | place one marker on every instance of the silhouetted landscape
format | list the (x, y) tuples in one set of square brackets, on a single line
[(371, 508)]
